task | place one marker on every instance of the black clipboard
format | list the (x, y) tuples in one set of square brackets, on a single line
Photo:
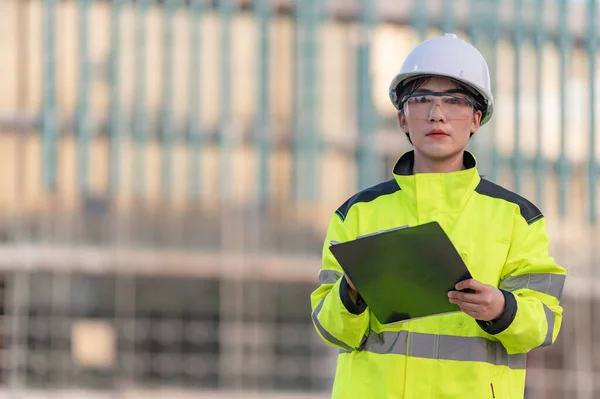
[(404, 273)]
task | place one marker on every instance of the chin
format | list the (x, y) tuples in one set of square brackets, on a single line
[(439, 152)]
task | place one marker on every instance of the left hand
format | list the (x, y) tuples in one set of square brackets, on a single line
[(487, 303)]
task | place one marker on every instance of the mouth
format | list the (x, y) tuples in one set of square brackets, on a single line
[(437, 133)]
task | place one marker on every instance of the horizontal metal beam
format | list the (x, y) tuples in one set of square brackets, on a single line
[(126, 262), (233, 267), (152, 393), (400, 12)]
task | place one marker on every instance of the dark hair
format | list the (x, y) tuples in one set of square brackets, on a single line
[(413, 85)]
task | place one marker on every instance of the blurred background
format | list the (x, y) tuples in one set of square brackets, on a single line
[(168, 169)]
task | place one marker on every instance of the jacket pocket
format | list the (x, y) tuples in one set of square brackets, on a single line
[(499, 386)]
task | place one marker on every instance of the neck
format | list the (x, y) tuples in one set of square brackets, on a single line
[(424, 164)]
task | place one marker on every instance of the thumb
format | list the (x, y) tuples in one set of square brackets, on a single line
[(350, 282), (470, 284)]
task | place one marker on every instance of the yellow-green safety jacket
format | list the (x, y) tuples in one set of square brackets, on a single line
[(503, 240)]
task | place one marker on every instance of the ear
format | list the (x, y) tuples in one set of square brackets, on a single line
[(476, 122), (402, 121)]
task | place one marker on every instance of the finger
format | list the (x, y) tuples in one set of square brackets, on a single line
[(474, 315), (465, 297), (469, 307), (349, 282), (470, 283)]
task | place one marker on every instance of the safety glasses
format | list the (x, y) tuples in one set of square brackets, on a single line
[(453, 106)]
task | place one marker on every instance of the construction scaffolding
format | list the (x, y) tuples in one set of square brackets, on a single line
[(168, 169)]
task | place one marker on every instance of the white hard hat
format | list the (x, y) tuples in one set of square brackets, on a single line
[(451, 57)]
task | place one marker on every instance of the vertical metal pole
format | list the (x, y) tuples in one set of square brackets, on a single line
[(517, 39), (562, 162), (83, 127), (22, 166), (263, 133), (140, 126), (419, 18), (307, 140), (591, 50), (368, 162), (226, 10), (448, 24), (195, 133), (49, 114), (19, 323), (475, 33), (263, 129), (166, 128), (493, 64), (115, 103), (539, 163), (232, 227)]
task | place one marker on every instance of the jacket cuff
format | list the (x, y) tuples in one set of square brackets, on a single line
[(500, 324), (354, 308)]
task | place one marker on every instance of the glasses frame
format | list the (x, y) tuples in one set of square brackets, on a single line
[(461, 95)]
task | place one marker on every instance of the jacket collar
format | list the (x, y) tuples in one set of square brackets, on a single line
[(404, 166), (435, 192)]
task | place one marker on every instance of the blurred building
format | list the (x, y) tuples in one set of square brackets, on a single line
[(168, 168)]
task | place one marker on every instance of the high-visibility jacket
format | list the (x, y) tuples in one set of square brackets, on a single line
[(501, 237)]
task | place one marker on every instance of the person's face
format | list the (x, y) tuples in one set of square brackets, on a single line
[(438, 128)]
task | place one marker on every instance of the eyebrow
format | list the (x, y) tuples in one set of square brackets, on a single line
[(451, 91)]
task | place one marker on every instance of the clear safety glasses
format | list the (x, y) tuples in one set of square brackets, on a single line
[(453, 106)]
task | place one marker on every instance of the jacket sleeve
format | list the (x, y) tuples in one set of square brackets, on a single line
[(532, 285), (338, 320)]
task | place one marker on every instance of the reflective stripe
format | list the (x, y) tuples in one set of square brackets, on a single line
[(329, 276), (445, 347), (325, 333), (550, 317), (551, 284)]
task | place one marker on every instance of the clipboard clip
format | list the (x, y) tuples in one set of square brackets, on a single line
[(383, 231), (333, 242)]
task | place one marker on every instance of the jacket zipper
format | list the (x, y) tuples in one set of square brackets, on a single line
[(493, 394)]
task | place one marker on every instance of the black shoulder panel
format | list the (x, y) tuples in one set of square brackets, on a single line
[(529, 211), (368, 195)]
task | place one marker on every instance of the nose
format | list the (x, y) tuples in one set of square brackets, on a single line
[(436, 114)]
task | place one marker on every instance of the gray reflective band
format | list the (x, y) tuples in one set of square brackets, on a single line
[(325, 333), (444, 347), (550, 316), (329, 276), (551, 284)]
